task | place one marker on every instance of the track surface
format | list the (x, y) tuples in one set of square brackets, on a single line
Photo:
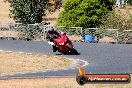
[(102, 58)]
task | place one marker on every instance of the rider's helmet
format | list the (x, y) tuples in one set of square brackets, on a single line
[(51, 30)]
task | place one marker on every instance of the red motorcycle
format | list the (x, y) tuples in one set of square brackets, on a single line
[(63, 44)]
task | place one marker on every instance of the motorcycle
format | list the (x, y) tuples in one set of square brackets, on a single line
[(63, 44)]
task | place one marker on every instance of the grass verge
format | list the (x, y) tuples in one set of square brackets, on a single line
[(11, 62)]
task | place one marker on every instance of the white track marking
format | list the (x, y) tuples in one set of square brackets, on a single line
[(1, 50), (29, 53), (8, 51), (21, 52)]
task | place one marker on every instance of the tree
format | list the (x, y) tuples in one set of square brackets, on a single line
[(27, 11), (129, 2), (84, 13)]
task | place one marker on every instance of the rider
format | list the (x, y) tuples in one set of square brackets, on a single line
[(52, 33)]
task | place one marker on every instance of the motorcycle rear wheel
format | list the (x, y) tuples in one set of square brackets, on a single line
[(72, 50)]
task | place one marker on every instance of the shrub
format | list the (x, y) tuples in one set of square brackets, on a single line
[(84, 13), (116, 20), (27, 11)]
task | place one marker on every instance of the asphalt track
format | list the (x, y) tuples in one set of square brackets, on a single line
[(101, 58)]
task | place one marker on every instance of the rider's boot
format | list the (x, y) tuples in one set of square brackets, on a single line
[(54, 48)]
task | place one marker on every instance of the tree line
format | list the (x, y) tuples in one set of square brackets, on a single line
[(82, 13)]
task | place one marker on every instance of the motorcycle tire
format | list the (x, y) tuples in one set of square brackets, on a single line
[(72, 50)]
